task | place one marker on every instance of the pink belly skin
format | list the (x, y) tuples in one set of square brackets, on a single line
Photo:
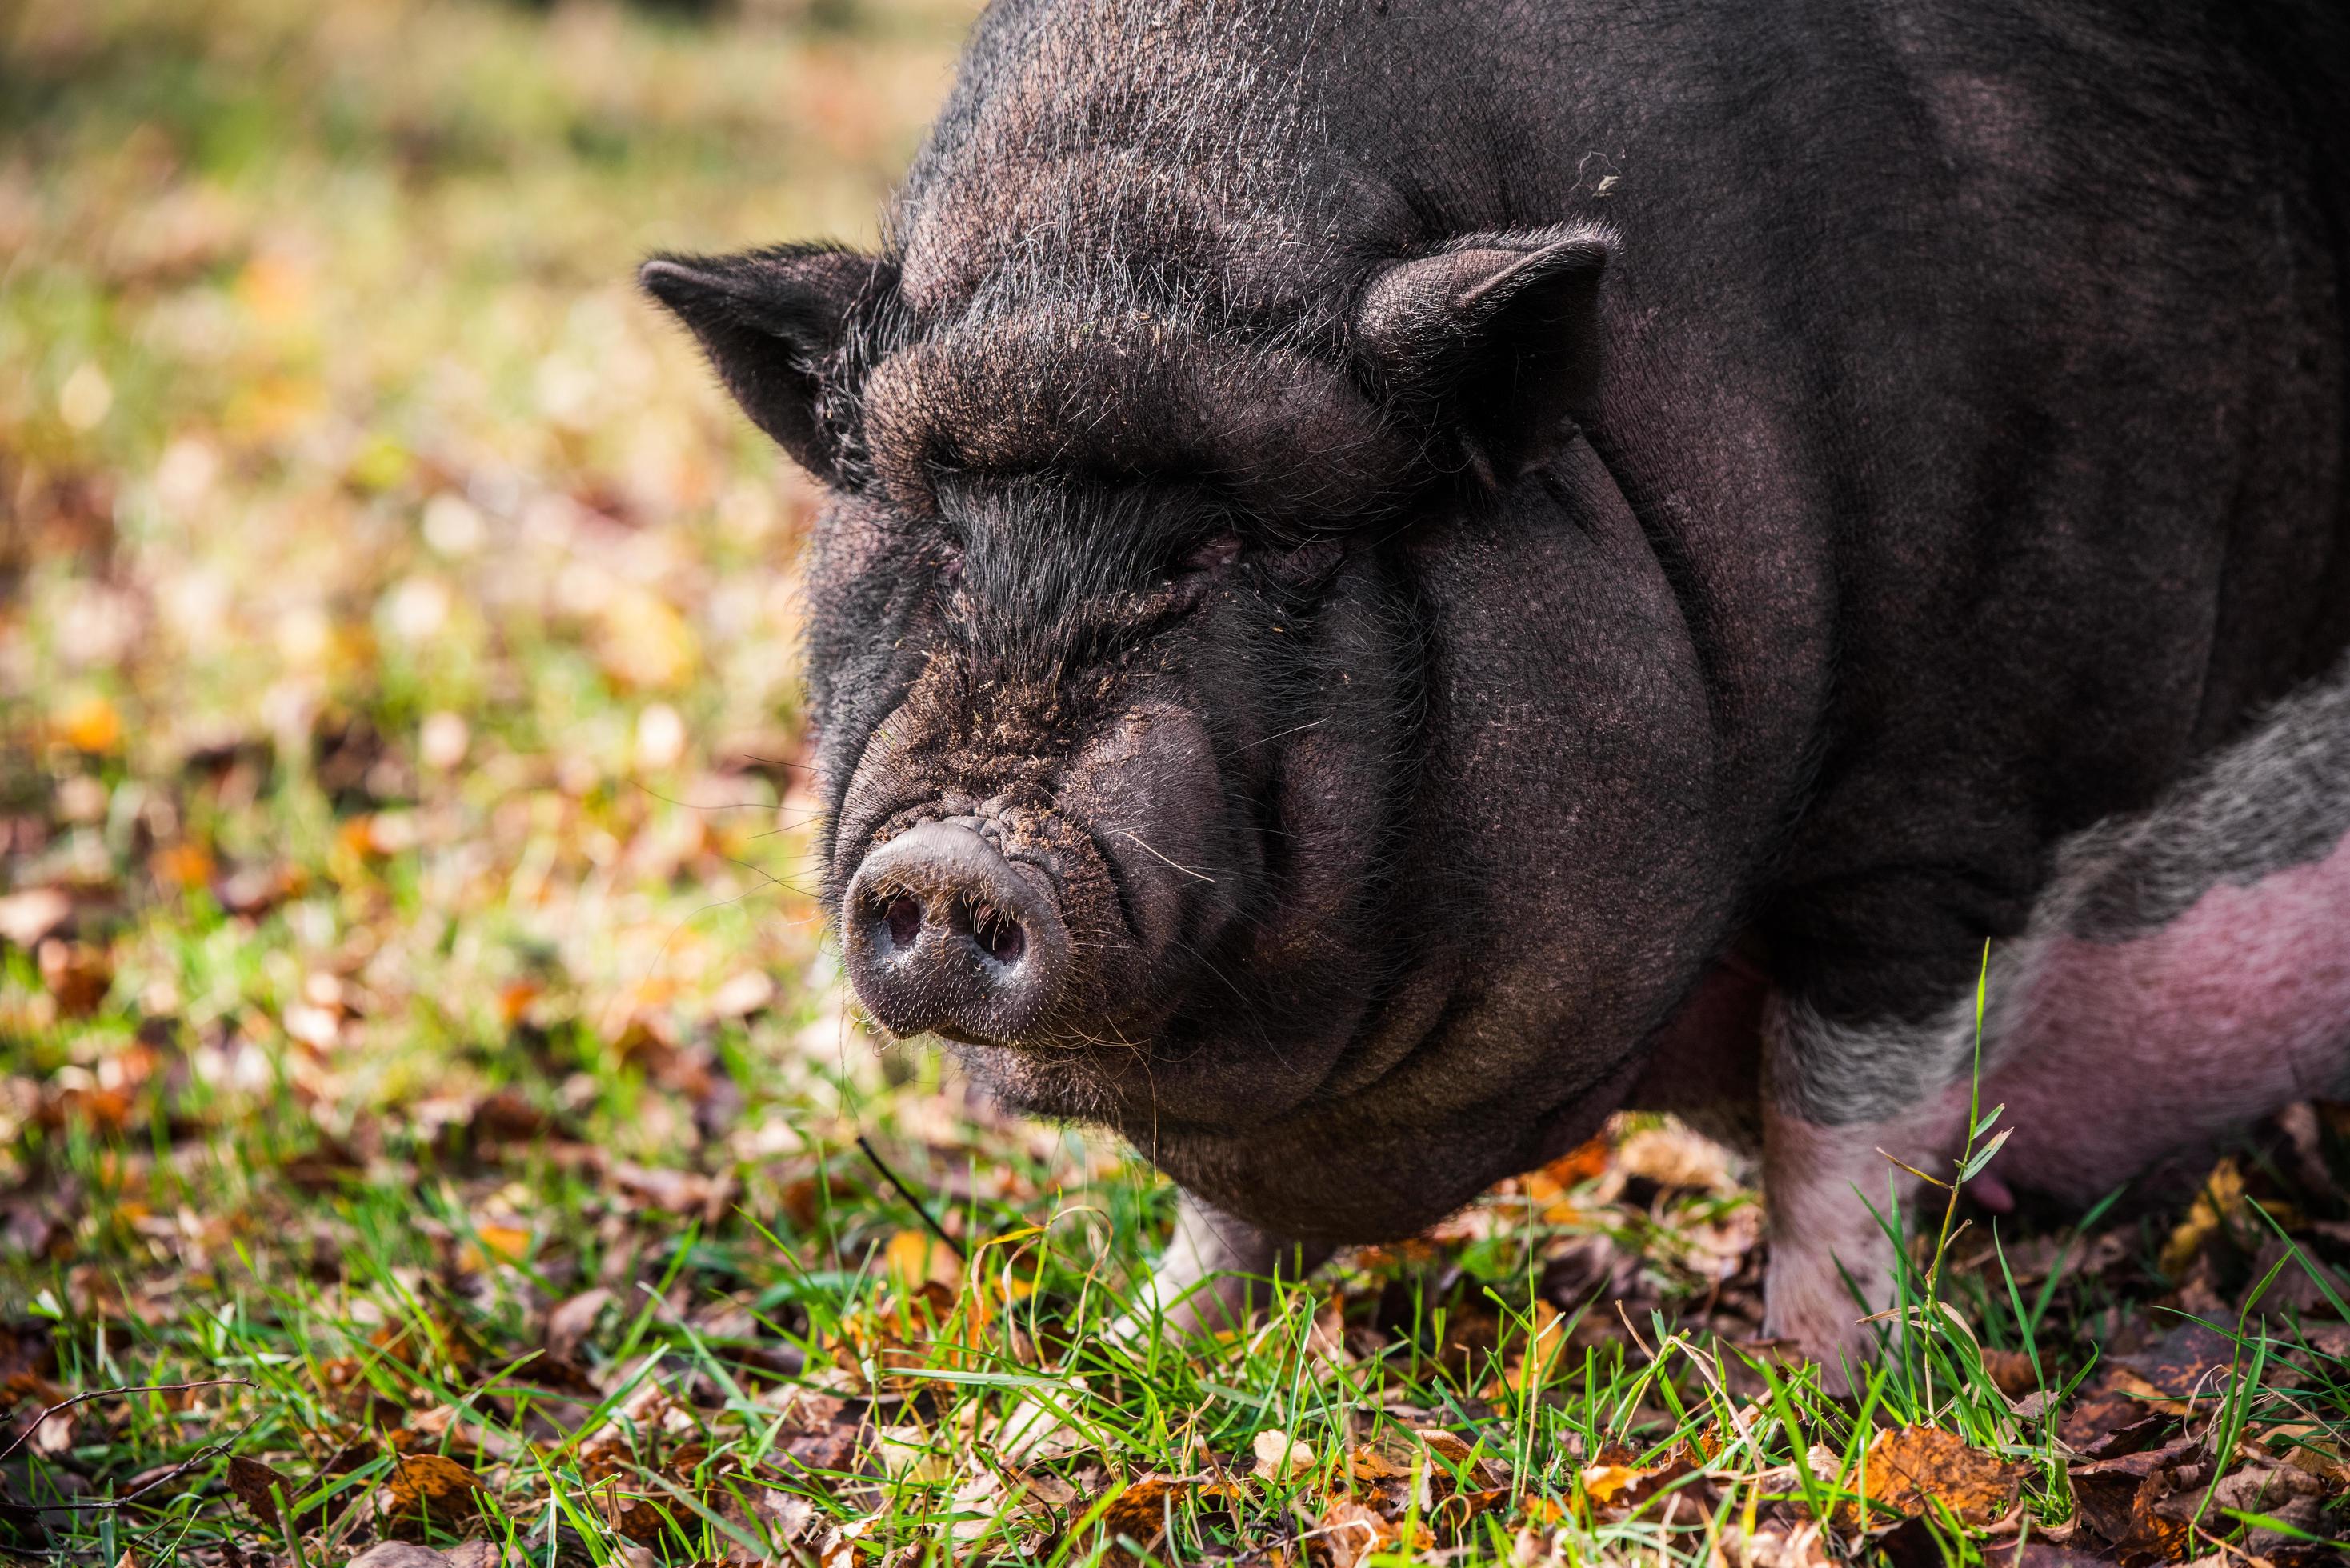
[(2118, 1054)]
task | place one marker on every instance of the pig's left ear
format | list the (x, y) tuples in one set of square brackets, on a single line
[(769, 320), (1495, 337)]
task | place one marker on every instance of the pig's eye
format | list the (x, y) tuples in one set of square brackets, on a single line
[(1216, 553), (951, 568)]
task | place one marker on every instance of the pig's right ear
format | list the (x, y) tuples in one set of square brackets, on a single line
[(1495, 338), (769, 320)]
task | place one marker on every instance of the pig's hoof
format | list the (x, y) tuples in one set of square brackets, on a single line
[(1180, 1302)]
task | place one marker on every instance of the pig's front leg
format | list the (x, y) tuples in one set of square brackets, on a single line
[(1215, 1273), (1835, 1096)]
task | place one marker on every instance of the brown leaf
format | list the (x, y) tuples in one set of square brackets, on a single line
[(254, 890), (1532, 1368), (1347, 1534), (680, 1192), (825, 1434), (2265, 1488), (1139, 1512), (251, 1481), (2108, 1421), (634, 1506), (1907, 1472), (1456, 1452), (506, 1117), (916, 1258), (1778, 1545), (572, 1321), (428, 1488), (2190, 1361), (77, 974), (2010, 1373), (324, 1166), (2116, 1497), (2049, 1554), (28, 1359), (1582, 1163), (1618, 1489), (399, 1554)]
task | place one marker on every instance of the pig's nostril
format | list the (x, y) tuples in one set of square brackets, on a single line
[(949, 935), (904, 918), (999, 936)]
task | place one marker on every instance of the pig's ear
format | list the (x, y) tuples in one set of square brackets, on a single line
[(769, 320), (1496, 336)]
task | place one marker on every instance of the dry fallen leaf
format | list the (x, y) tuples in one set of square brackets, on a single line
[(1138, 1513), (1617, 1487), (1457, 1453), (493, 1242), (1532, 1368), (252, 1482), (1279, 1458), (1908, 1472), (428, 1488), (571, 1322), (822, 1434), (2116, 1498), (2011, 1373), (77, 974), (1347, 1534), (843, 1546), (2189, 1362), (400, 1554), (916, 1258), (27, 917), (1673, 1157), (2221, 1198), (1801, 1545), (912, 1454)]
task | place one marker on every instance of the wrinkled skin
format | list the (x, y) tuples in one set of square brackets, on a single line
[(1407, 597)]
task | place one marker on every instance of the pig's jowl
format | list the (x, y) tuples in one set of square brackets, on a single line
[(1401, 575)]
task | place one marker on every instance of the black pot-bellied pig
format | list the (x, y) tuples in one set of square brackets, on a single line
[(1404, 574)]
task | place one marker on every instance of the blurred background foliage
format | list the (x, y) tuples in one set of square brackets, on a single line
[(398, 630)]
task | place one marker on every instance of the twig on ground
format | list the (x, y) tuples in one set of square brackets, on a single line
[(919, 1207), (61, 1406)]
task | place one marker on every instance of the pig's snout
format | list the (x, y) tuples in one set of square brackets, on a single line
[(943, 933)]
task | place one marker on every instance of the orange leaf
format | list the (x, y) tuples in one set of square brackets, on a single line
[(1139, 1512), (493, 1244), (187, 866), (90, 725), (430, 1488), (916, 1258), (1907, 1471)]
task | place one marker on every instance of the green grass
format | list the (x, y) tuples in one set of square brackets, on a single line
[(403, 815)]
